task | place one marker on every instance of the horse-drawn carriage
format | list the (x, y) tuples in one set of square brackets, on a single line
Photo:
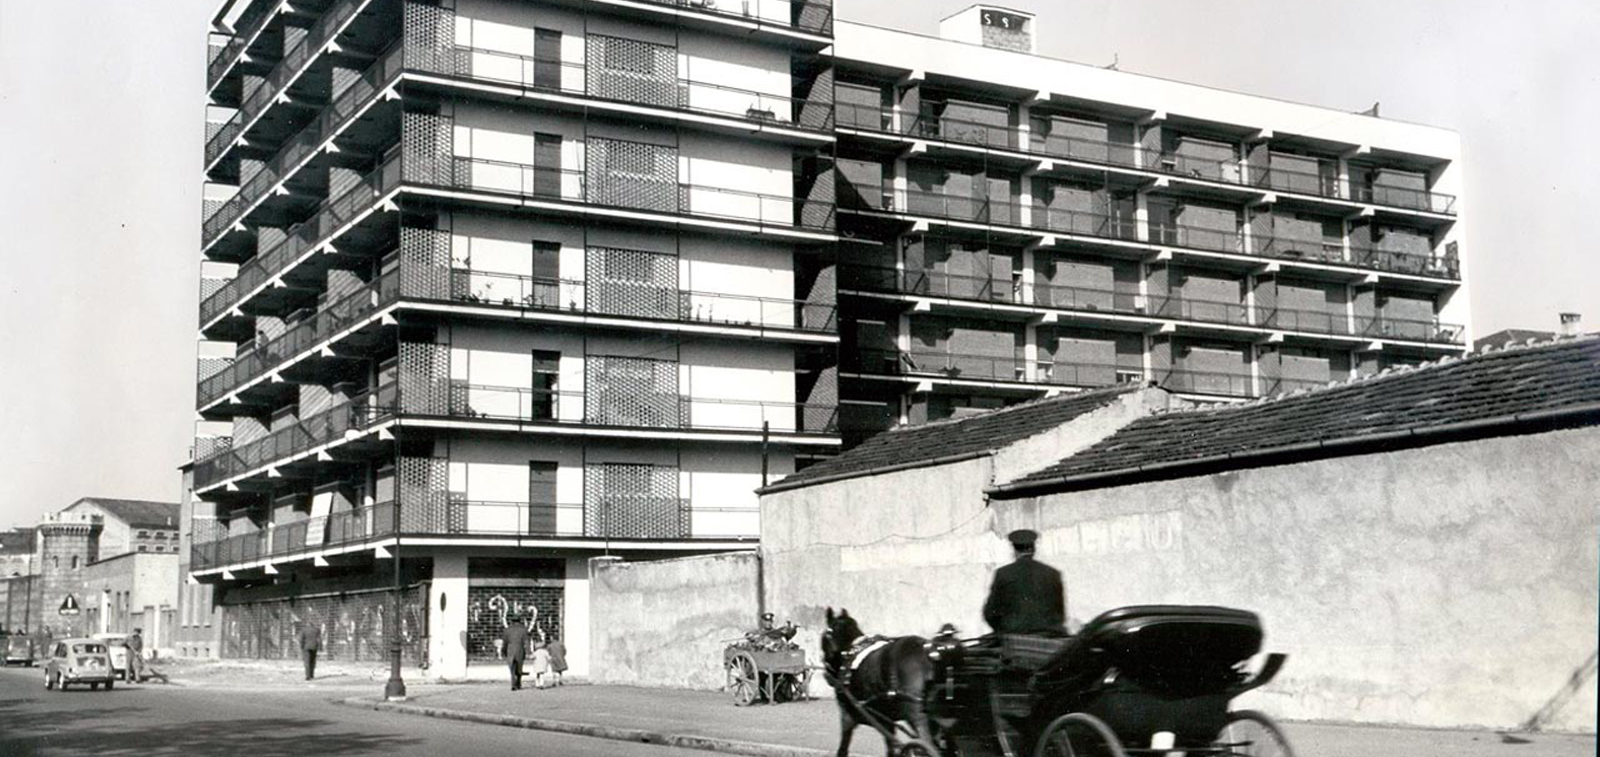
[(766, 665), (1143, 681)]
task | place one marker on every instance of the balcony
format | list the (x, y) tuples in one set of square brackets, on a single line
[(808, 16), (1334, 323), (1407, 198), (1197, 238), (989, 368), (441, 514), (931, 283), (289, 69), (665, 409), (357, 413), (630, 299), (1208, 382), (750, 108), (1286, 385), (1431, 331), (525, 181), (224, 58), (1409, 263), (1314, 184), (299, 338), (960, 131), (1084, 223), (1179, 307), (328, 221)]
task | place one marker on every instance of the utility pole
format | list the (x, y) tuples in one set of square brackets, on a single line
[(765, 433), (395, 689)]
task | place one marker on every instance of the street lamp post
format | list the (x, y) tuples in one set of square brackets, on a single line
[(395, 688)]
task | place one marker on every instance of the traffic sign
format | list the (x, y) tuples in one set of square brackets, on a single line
[(69, 606)]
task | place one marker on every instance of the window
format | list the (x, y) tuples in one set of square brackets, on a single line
[(546, 389), (142, 548), (144, 534), (74, 562)]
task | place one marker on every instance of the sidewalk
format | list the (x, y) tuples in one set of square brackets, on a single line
[(709, 720)]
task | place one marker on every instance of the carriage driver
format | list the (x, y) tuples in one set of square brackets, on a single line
[(1027, 596)]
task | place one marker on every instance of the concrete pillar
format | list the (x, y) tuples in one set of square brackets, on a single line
[(577, 626), (1141, 215), (1024, 127), (447, 617), (1025, 199), (1030, 255), (902, 200), (1030, 352)]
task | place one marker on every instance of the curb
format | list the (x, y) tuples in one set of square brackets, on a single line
[(685, 741)]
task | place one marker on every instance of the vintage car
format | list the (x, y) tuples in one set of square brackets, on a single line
[(19, 650), (117, 647), (78, 661)]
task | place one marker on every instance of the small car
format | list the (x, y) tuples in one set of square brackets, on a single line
[(117, 645), (19, 649), (78, 661)]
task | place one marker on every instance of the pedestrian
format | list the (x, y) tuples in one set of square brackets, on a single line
[(541, 665), (516, 644), (558, 660), (310, 645), (135, 647)]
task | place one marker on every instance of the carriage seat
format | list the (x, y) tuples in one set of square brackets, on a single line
[(1028, 651)]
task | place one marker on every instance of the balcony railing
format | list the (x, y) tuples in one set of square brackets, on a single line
[(695, 96), (1307, 321), (1190, 167), (1408, 198), (1410, 329), (1197, 237), (228, 54), (355, 414), (644, 194), (1179, 307), (934, 283), (989, 368), (1084, 374), (812, 16), (1286, 385), (950, 206), (300, 337), (1068, 297), (965, 131), (294, 62), (1208, 382), (1316, 250), (615, 517), (1313, 183), (665, 409), (983, 134), (1393, 261), (632, 299), (1084, 223), (331, 217)]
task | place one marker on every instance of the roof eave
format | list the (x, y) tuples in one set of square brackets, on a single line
[(1305, 450), (780, 486)]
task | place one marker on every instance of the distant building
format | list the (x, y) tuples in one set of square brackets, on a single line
[(1571, 325)]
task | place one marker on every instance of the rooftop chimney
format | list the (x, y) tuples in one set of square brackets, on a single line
[(1571, 323), (991, 26)]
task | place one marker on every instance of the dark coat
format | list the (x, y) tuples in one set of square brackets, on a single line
[(1026, 597), (310, 638), (516, 639)]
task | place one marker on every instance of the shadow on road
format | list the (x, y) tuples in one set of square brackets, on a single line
[(89, 729)]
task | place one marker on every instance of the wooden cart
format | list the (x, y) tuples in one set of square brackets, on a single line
[(773, 674)]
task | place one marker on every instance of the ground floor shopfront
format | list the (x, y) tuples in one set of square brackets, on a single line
[(454, 603)]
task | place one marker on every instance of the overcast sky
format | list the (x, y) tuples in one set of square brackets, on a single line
[(100, 182)]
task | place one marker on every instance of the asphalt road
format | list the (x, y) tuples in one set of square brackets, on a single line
[(158, 721)]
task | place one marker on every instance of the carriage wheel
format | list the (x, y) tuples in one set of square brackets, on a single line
[(743, 680), (1253, 734), (916, 749), (1079, 735)]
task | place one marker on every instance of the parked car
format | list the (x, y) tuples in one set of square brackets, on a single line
[(19, 649), (78, 661), (117, 645)]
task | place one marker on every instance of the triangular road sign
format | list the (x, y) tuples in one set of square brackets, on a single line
[(69, 606)]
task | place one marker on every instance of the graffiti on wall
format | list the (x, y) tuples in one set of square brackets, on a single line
[(353, 626)]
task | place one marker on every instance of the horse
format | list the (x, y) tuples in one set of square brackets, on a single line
[(879, 685)]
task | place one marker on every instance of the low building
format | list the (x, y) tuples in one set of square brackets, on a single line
[(1422, 543), (132, 590)]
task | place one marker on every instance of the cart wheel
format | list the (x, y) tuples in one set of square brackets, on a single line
[(916, 749), (1253, 734), (743, 679), (1079, 735)]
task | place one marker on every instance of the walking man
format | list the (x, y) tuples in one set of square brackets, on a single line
[(516, 644), (135, 645), (310, 644)]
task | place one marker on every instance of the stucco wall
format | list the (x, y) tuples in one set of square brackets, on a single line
[(665, 623), (1452, 585)]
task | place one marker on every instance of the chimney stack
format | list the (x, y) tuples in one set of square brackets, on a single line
[(1571, 323), (991, 26)]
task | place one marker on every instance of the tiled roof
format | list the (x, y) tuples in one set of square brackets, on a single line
[(1485, 387), (140, 513), (972, 435), (19, 540)]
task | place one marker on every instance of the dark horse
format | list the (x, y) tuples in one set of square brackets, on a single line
[(884, 686)]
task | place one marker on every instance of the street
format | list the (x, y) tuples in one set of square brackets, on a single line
[(154, 721)]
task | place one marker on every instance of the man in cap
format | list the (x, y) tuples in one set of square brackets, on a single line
[(1027, 596), (135, 650), (516, 641)]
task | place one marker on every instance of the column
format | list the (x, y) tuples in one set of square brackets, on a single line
[(576, 619), (447, 618)]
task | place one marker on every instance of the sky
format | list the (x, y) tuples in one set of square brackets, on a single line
[(100, 187)]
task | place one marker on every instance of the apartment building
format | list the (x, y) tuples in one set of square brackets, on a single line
[(500, 286), (493, 287), (1016, 225)]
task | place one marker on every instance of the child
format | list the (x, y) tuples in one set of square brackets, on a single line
[(541, 665), (558, 661)]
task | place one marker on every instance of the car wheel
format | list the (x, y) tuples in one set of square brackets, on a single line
[(94, 687), (48, 682), (109, 684)]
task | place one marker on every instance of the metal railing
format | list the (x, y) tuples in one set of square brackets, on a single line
[(965, 131), (961, 130), (301, 239), (300, 337), (945, 364), (229, 53), (692, 95), (1395, 261), (644, 194), (665, 409), (1408, 198), (814, 16), (1315, 249), (936, 283), (1308, 321), (1083, 374), (1197, 237), (633, 299), (954, 207), (1208, 382), (1190, 167), (1314, 183), (297, 59), (1179, 307), (357, 413), (1382, 326), (1084, 223)]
